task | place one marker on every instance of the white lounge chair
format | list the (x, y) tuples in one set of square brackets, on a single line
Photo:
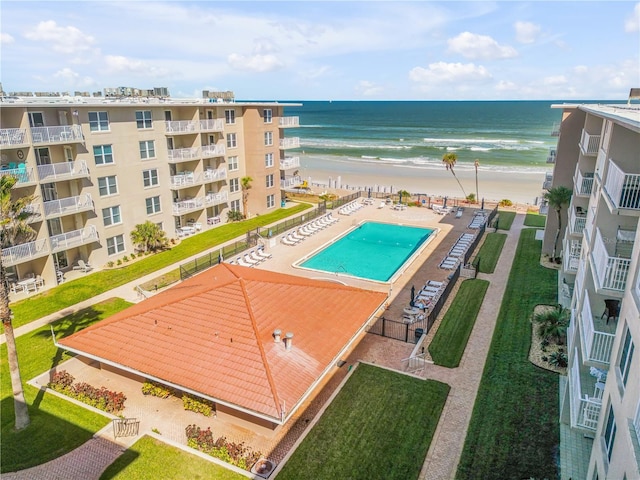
[(85, 267), (242, 263), (254, 256), (247, 259), (261, 253)]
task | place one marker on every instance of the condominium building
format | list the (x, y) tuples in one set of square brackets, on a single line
[(598, 157), (100, 165)]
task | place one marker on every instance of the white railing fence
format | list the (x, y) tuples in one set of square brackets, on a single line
[(68, 205), (623, 188), (26, 251), (612, 272)]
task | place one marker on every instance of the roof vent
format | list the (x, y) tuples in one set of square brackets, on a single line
[(288, 340), (276, 335)]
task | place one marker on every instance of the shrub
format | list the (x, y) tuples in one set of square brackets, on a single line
[(237, 454), (125, 258), (198, 405), (545, 358), (558, 359), (119, 262), (471, 198), (156, 390), (234, 216), (110, 263), (101, 398), (505, 202)]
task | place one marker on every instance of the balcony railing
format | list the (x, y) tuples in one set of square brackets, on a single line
[(289, 122), (13, 136), (216, 198), (583, 183), (212, 125), (24, 175), (611, 272), (555, 130), (73, 239), (68, 206), (597, 344), (181, 126), (184, 179), (289, 162), (213, 150), (60, 134), (55, 172), (572, 256), (289, 142), (577, 222), (636, 422), (589, 143), (183, 154), (551, 158), (548, 181), (24, 252), (290, 182), (585, 410), (34, 211), (184, 206), (211, 175), (623, 188)]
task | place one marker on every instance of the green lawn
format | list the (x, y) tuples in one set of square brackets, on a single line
[(83, 288), (380, 425), (489, 253), (149, 459), (57, 426), (514, 431), (450, 340), (535, 220), (505, 219)]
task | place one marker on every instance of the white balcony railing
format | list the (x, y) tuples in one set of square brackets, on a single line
[(73, 239), (548, 181), (551, 158), (611, 272), (572, 255), (184, 179), (55, 172), (289, 162), (290, 182), (585, 410), (181, 126), (555, 130), (184, 206), (24, 252), (68, 206), (597, 344), (583, 183), (24, 174), (289, 142), (589, 143), (289, 122), (623, 188), (59, 134), (577, 222), (215, 175), (213, 150), (183, 154), (212, 125), (216, 198), (636, 422), (13, 136)]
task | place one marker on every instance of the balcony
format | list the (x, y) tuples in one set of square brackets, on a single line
[(589, 143), (184, 206), (551, 158), (583, 183), (610, 273), (24, 175), (24, 252), (34, 211), (58, 172), (73, 239), (184, 179), (212, 125), (548, 181), (183, 154), (577, 222), (216, 198), (181, 126), (214, 175), (555, 130), (68, 206), (572, 256), (585, 409), (60, 134), (622, 188), (290, 182), (289, 142), (13, 137), (597, 343), (213, 151), (289, 162), (286, 122)]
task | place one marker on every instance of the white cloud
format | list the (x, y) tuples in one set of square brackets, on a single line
[(526, 32), (62, 39), (632, 24), (368, 89), (506, 86), (254, 63), (73, 79), (6, 39), (471, 45), (442, 72), (120, 64), (555, 80)]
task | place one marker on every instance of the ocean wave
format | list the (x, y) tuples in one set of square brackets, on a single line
[(470, 140)]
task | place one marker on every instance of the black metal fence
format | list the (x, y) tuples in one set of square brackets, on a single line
[(277, 229), (213, 258)]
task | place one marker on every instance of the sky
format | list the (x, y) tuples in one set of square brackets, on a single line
[(329, 50)]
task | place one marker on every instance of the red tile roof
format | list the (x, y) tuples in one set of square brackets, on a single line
[(213, 334)]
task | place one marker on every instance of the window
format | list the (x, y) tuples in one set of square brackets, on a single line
[(270, 180), (99, 121), (111, 216), (150, 177), (147, 149), (268, 160), (234, 185), (107, 185), (231, 140), (268, 138), (625, 357), (153, 205), (610, 432), (267, 114), (102, 154), (115, 244), (235, 205), (271, 200), (230, 117), (143, 119), (233, 163)]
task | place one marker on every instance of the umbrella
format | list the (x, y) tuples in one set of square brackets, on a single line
[(413, 294)]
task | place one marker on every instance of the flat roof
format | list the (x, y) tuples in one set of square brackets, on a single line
[(14, 101), (623, 113)]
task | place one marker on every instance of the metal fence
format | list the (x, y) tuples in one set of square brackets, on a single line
[(277, 229), (213, 258)]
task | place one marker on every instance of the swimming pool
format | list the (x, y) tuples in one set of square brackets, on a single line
[(373, 251)]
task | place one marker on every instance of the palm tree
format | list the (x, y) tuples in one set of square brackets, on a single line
[(246, 185), (476, 164), (552, 324), (13, 229), (148, 237), (449, 160), (403, 193), (557, 197)]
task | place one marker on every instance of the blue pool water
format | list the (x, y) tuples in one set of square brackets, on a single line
[(374, 251)]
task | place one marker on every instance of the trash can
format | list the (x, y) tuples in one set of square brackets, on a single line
[(419, 332), (283, 203)]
